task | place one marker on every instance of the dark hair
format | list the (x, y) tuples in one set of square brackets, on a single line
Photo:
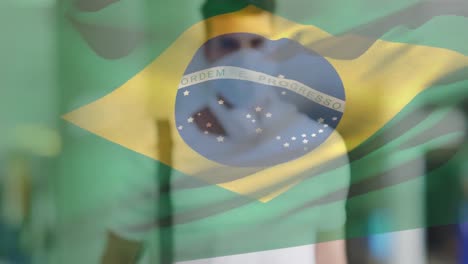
[(217, 7)]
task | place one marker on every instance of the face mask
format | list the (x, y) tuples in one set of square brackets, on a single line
[(242, 93)]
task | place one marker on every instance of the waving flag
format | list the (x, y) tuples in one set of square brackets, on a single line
[(253, 168)]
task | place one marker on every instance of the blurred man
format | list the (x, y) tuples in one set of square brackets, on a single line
[(219, 116)]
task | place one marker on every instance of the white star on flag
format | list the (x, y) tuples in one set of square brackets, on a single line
[(268, 115), (304, 135), (221, 102), (321, 120), (248, 116), (335, 118), (220, 139), (186, 93), (286, 145), (206, 132), (283, 93), (293, 138), (314, 135), (281, 76), (190, 120), (258, 109), (321, 131), (259, 130), (278, 138), (209, 125), (305, 141), (180, 127)]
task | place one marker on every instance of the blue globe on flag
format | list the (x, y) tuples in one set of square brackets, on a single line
[(258, 107)]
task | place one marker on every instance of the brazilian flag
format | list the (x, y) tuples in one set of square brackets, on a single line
[(388, 79)]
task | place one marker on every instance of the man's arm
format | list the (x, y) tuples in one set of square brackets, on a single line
[(331, 252), (120, 251)]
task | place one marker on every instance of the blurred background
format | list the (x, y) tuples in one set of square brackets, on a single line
[(40, 207)]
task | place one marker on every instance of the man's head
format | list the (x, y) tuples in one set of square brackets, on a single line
[(258, 18)]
